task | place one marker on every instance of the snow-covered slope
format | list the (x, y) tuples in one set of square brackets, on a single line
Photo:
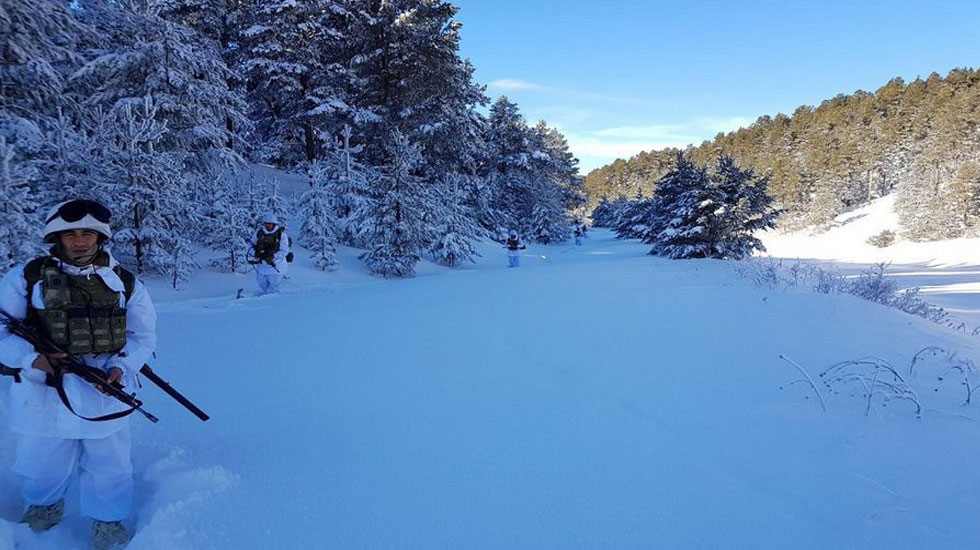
[(847, 241), (947, 272), (594, 398)]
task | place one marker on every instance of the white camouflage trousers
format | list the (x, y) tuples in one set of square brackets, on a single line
[(268, 284), (105, 472)]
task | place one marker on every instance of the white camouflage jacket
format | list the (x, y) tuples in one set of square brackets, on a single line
[(35, 408)]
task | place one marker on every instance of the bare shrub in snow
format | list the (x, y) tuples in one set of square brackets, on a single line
[(872, 285), (876, 378), (763, 272), (806, 378), (964, 370), (882, 240), (951, 367)]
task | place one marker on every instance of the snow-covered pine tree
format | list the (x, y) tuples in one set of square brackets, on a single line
[(634, 220), (479, 197), (38, 49), (295, 58), (348, 185), (229, 226), (253, 198), (143, 54), (179, 263), (561, 165), (549, 223), (274, 201), (456, 227), (399, 215), (69, 158), (318, 228), (410, 75), (747, 209), (510, 166), (145, 187), (604, 213), (18, 232), (39, 39), (684, 213)]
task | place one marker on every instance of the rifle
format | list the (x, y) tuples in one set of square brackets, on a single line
[(257, 259), (92, 375)]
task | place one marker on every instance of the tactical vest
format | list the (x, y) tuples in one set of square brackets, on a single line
[(267, 244), (513, 244), (81, 313)]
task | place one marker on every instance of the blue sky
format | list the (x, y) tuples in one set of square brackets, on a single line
[(618, 78)]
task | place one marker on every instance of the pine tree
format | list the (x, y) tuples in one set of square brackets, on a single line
[(348, 184), (146, 189), (39, 46), (455, 226), (634, 221), (179, 263), (318, 229), (963, 198), (18, 232), (549, 223), (684, 213), (400, 213), (408, 74), (747, 209), (229, 226), (275, 202), (510, 169), (144, 54), (295, 58), (69, 158)]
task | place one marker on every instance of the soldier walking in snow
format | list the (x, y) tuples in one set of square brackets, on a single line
[(270, 250), (514, 247), (578, 236), (79, 298)]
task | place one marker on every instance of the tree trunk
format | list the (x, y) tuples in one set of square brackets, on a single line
[(310, 142)]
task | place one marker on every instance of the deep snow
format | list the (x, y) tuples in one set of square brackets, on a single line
[(596, 397), (947, 272)]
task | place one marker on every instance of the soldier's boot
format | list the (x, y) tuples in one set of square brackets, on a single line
[(43, 517), (108, 535)]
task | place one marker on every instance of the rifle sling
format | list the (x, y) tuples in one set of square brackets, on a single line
[(58, 381)]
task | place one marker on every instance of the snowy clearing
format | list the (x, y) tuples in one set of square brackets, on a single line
[(596, 397)]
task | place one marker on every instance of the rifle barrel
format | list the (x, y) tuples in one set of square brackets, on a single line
[(169, 390)]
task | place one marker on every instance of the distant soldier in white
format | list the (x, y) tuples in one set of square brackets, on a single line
[(270, 247), (578, 235), (81, 300), (514, 247)]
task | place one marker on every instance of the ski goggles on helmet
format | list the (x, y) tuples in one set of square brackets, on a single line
[(72, 211)]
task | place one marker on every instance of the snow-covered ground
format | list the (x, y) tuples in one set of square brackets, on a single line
[(596, 397), (947, 272)]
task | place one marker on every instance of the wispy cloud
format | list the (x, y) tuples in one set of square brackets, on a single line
[(516, 84), (603, 146), (689, 132)]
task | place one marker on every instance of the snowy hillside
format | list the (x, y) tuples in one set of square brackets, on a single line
[(847, 240), (947, 272), (596, 397)]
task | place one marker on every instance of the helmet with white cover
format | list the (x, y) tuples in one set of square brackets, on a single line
[(77, 214), (270, 217)]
